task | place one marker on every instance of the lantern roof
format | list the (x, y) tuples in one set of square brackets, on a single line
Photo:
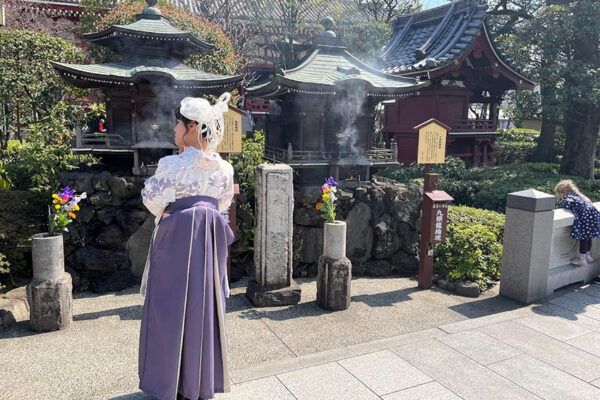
[(331, 68), (151, 50), (150, 30)]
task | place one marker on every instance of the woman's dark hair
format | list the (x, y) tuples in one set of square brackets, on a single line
[(187, 121)]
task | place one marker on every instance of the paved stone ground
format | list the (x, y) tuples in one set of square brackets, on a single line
[(395, 342)]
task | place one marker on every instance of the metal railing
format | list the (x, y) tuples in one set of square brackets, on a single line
[(315, 156), (475, 125)]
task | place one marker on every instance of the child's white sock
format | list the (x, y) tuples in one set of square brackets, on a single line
[(588, 257)]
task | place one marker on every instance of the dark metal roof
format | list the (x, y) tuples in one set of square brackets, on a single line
[(436, 37)]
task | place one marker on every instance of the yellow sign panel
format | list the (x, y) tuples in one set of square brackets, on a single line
[(232, 137), (432, 144)]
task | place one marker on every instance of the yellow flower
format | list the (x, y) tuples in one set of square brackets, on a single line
[(55, 196), (54, 201), (72, 215), (325, 196), (57, 206), (328, 190), (318, 206), (75, 208)]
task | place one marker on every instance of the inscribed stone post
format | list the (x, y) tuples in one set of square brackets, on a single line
[(274, 193)]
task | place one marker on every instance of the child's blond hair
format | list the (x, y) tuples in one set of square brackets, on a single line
[(565, 187)]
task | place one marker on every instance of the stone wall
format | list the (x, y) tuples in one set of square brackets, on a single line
[(107, 244), (383, 219)]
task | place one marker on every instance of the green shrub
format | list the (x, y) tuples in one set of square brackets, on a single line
[(454, 169), (22, 214), (514, 152), (517, 135), (473, 248), (4, 269)]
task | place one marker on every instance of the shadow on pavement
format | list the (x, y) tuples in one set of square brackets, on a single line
[(133, 396)]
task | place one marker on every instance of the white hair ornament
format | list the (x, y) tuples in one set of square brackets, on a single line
[(210, 121)]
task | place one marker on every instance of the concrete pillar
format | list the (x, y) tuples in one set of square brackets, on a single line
[(274, 192), (527, 241)]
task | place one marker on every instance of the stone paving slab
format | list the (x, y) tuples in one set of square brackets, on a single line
[(460, 374), (545, 380), (397, 342), (384, 372)]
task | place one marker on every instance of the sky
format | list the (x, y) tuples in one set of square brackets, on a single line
[(433, 3)]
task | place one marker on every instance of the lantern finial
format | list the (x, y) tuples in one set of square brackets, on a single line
[(151, 10), (328, 24)]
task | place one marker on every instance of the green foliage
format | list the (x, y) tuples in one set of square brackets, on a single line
[(29, 86), (453, 169), (519, 135), (488, 187), (514, 152), (4, 269), (471, 253), (22, 214)]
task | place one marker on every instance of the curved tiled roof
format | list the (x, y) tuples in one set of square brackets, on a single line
[(432, 38)]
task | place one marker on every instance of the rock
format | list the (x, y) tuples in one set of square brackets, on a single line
[(451, 287), (378, 268), (130, 220), (14, 308), (51, 304), (333, 283), (266, 297), (106, 215), (97, 262), (311, 244), (387, 241), (136, 202), (307, 216), (378, 205), (100, 181), (468, 289), (75, 278), (114, 282), (85, 213), (362, 194), (110, 237), (237, 271), (78, 235), (442, 283), (138, 245), (405, 264), (118, 186), (78, 181), (100, 199), (307, 195), (359, 237)]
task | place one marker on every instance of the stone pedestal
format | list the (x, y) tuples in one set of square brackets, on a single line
[(273, 234), (50, 303), (333, 283), (334, 269), (527, 242)]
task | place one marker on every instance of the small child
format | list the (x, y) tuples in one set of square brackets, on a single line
[(586, 225)]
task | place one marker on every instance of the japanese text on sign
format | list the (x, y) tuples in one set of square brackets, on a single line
[(439, 218), (232, 137), (432, 144)]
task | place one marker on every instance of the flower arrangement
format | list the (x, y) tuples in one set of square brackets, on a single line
[(65, 204), (327, 203)]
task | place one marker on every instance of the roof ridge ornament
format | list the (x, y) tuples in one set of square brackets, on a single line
[(150, 12), (327, 36)]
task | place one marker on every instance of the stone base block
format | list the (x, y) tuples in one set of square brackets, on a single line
[(467, 289), (273, 297), (333, 283), (50, 304), (13, 308)]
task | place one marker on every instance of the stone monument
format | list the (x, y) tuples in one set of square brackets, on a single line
[(527, 242), (273, 284)]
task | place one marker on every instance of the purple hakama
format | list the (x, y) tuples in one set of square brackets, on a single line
[(183, 346)]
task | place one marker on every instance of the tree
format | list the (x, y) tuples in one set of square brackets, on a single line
[(29, 86), (365, 39), (385, 10), (222, 60)]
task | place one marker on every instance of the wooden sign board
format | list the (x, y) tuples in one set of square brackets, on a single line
[(2, 15), (232, 138), (432, 142)]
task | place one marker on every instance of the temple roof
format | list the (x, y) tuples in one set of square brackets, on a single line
[(330, 67), (434, 38), (129, 72), (150, 29)]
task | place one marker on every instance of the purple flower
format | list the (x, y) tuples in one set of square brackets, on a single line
[(331, 182), (66, 192)]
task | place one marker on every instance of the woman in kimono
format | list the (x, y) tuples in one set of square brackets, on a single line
[(183, 348)]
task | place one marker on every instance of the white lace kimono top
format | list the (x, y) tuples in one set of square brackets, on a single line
[(191, 173)]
